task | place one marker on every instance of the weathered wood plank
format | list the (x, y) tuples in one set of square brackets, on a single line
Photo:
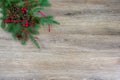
[(86, 46)]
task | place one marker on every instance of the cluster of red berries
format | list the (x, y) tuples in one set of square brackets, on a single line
[(26, 24), (23, 9)]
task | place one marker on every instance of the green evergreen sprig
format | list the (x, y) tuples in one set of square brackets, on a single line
[(24, 10)]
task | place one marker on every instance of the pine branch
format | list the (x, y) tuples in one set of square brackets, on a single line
[(24, 11), (34, 41)]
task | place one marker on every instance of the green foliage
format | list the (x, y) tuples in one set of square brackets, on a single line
[(44, 3), (16, 29), (35, 42)]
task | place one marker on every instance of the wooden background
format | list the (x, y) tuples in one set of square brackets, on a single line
[(86, 46)]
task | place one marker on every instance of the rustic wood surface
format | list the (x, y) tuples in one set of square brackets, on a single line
[(86, 46)]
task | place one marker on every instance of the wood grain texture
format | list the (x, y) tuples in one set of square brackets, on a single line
[(86, 46)]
